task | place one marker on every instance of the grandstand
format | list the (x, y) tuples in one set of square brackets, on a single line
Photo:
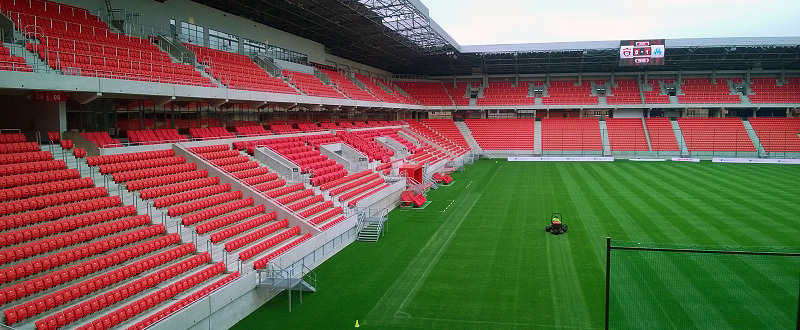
[(201, 164)]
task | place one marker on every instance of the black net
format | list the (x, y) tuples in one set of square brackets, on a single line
[(666, 287)]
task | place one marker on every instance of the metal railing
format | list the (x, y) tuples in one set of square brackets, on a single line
[(207, 295), (274, 275), (22, 19), (53, 50)]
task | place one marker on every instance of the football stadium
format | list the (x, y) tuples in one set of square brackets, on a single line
[(332, 164)]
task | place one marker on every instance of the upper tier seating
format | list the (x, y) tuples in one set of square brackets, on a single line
[(503, 93), (309, 127), (329, 126), (211, 133), (766, 90), (502, 134), (311, 85), (283, 129), (376, 90), (238, 71), (427, 93), (10, 62), (458, 93), (662, 136), (349, 88), (155, 136), (654, 96), (626, 92), (257, 130), (101, 139), (777, 134), (396, 92), (626, 134), (702, 90), (567, 93), (448, 129), (571, 134), (78, 43), (715, 134)]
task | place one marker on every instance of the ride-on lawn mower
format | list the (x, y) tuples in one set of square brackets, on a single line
[(556, 227)]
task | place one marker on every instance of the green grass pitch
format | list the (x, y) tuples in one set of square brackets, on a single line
[(478, 257)]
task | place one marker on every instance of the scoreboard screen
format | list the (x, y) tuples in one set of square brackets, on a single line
[(641, 52)]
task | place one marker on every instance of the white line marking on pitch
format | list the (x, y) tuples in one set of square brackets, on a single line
[(448, 206), (468, 185)]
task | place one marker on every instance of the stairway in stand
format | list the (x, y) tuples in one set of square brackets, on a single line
[(371, 226), (370, 233)]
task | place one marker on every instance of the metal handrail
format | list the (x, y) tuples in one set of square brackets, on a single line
[(68, 24), (284, 208)]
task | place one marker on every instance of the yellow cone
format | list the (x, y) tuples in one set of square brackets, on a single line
[(357, 324)]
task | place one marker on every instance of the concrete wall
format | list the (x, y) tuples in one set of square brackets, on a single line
[(295, 67), (23, 82), (344, 63), (628, 113), (332, 151), (352, 159)]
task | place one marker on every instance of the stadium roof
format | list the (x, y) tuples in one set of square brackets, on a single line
[(400, 37), (393, 35)]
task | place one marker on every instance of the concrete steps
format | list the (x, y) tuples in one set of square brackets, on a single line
[(647, 136), (31, 58), (604, 137), (754, 137), (679, 135), (537, 137), (473, 144)]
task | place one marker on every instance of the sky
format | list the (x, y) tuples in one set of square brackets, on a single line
[(483, 22)]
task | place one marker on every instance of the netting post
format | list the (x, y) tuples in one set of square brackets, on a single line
[(608, 276)]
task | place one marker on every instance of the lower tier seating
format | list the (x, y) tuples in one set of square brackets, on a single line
[(777, 135), (502, 134), (715, 134), (571, 134), (662, 136), (626, 134)]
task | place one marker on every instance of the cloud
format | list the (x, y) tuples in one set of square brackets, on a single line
[(473, 22)]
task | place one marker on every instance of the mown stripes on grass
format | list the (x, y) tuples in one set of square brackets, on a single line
[(493, 266)]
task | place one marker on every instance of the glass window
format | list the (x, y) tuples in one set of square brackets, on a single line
[(251, 47), (192, 34), (223, 41)]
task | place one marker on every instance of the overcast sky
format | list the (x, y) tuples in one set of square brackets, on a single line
[(481, 22)]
